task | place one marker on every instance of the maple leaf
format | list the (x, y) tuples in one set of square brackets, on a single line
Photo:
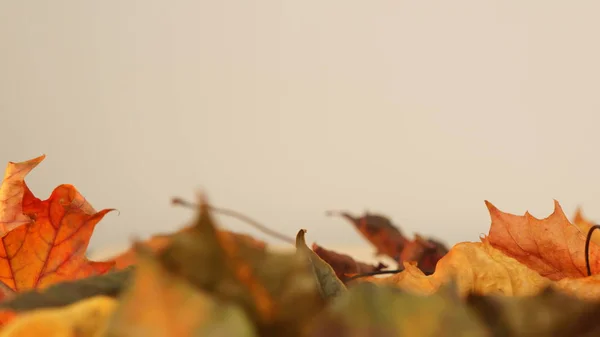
[(479, 268), (50, 246), (344, 264), (553, 246), (172, 306)]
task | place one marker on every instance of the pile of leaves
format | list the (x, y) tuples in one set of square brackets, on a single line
[(527, 277)]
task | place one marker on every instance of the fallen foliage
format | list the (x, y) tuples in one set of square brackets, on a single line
[(527, 277)]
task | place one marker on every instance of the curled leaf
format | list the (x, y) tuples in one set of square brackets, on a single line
[(389, 240), (330, 284), (344, 265)]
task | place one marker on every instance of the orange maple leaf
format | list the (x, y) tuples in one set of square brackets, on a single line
[(553, 246), (46, 243)]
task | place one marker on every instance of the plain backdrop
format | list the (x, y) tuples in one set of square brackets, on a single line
[(419, 110)]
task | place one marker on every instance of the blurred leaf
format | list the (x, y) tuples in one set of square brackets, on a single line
[(278, 292), (550, 313), (371, 310), (172, 307), (66, 293), (344, 264), (84, 318), (389, 240)]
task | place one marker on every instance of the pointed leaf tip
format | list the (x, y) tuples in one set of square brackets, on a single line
[(300, 240), (489, 205)]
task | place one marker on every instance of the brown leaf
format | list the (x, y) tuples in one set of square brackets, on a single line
[(379, 231), (343, 264), (389, 240)]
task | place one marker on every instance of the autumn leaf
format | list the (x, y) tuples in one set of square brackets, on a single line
[(50, 246), (69, 292), (12, 191), (379, 231), (7, 315), (386, 311), (389, 240), (172, 306), (158, 242), (84, 318), (585, 225), (344, 264), (550, 313), (553, 246), (479, 268), (278, 291), (330, 285)]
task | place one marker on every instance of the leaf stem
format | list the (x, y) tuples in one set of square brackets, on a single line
[(587, 248), (239, 216)]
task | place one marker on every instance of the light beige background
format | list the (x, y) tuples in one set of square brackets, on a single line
[(283, 109)]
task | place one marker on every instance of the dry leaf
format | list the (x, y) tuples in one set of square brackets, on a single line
[(384, 311), (553, 246), (585, 225), (85, 318), (389, 240), (172, 307), (278, 292), (343, 264), (50, 246), (549, 313), (330, 285), (12, 191), (158, 242)]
